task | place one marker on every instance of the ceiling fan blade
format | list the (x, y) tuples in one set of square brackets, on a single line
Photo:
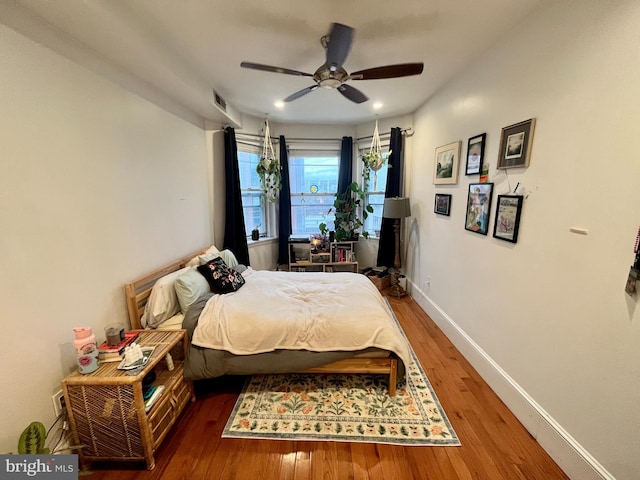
[(389, 71), (352, 94), (339, 44), (269, 68), (300, 93)]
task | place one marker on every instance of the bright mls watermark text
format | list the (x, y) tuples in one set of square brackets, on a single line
[(49, 467)]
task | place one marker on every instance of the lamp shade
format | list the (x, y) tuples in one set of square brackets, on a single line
[(396, 207)]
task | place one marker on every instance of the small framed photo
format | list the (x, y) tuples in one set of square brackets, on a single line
[(507, 222), (446, 164), (475, 154), (515, 144), (478, 207), (442, 205)]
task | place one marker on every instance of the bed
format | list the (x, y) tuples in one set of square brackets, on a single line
[(275, 322)]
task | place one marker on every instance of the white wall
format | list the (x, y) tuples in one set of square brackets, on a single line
[(97, 187), (546, 320)]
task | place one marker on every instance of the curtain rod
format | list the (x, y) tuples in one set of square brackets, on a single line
[(408, 132)]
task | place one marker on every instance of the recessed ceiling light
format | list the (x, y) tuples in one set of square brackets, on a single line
[(278, 104), (377, 105)]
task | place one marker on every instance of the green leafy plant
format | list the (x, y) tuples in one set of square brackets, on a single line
[(33, 439), (269, 171), (372, 161), (347, 206)]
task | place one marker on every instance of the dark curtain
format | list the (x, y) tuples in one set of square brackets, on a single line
[(345, 175), (235, 233), (387, 242), (284, 206)]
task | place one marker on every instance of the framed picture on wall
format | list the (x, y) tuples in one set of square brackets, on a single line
[(475, 154), (507, 222), (442, 204), (446, 164), (515, 144), (478, 208)]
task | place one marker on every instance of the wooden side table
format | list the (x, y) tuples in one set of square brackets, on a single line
[(107, 410)]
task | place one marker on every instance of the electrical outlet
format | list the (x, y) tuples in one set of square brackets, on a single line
[(427, 283), (59, 405)]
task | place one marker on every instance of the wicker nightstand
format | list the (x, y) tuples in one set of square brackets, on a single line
[(107, 410)]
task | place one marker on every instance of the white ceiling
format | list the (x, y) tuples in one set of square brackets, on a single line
[(180, 51)]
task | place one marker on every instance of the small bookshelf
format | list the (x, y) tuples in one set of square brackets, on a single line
[(341, 257)]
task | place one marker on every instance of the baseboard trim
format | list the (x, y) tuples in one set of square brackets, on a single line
[(574, 459)]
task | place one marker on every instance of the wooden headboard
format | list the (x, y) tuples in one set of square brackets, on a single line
[(137, 292)]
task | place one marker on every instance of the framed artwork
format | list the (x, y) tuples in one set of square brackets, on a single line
[(515, 144), (475, 154), (446, 164), (507, 221), (442, 205), (478, 207)]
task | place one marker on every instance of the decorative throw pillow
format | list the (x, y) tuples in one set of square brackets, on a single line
[(220, 277)]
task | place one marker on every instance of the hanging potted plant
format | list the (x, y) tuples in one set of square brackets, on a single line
[(268, 168), (373, 160)]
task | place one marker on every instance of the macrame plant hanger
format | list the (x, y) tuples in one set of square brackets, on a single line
[(374, 159), (269, 167)]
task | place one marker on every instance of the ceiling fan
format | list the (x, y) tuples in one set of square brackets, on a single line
[(331, 74)]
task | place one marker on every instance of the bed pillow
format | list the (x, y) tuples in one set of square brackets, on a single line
[(229, 258), (212, 251), (220, 277), (190, 286), (163, 301), (227, 255)]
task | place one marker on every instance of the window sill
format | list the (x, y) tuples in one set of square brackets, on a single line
[(262, 241)]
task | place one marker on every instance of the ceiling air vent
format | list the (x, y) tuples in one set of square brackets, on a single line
[(220, 102)]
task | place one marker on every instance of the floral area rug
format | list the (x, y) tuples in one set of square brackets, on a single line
[(341, 407)]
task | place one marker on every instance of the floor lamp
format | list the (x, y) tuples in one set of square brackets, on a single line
[(396, 208)]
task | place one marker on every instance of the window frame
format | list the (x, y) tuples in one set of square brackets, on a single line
[(361, 150), (268, 228), (305, 151)]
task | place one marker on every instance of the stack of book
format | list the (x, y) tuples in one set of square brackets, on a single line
[(113, 353)]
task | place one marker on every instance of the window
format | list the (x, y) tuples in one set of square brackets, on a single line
[(374, 196), (253, 198), (313, 178)]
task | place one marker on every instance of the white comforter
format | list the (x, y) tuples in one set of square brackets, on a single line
[(300, 311)]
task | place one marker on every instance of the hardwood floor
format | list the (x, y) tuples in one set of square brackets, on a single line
[(495, 446)]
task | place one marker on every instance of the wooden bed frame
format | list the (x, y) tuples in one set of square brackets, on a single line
[(137, 294)]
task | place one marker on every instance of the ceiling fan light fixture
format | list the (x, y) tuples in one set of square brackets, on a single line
[(327, 78), (330, 83)]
